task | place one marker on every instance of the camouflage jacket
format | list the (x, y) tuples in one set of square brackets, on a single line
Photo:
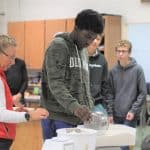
[(65, 85)]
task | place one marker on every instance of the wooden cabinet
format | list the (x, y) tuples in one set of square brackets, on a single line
[(55, 26), (30, 37), (69, 24), (112, 33), (52, 27), (34, 44), (16, 30), (33, 37)]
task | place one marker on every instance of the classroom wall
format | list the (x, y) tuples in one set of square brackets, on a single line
[(132, 12), (19, 10), (139, 35)]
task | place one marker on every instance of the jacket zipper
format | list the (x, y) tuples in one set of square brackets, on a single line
[(81, 76), (6, 130)]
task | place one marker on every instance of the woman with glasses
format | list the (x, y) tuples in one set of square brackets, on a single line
[(128, 87), (8, 117)]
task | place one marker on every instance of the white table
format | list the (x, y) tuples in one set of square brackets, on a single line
[(116, 135)]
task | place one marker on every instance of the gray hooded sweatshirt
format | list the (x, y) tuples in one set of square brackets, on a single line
[(128, 88)]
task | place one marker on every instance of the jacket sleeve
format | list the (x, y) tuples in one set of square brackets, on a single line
[(57, 61), (110, 95), (106, 90), (142, 91), (104, 86), (24, 78)]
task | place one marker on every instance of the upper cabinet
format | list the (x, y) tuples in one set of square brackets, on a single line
[(34, 44), (112, 33), (16, 29), (30, 37), (69, 24), (33, 37), (52, 27)]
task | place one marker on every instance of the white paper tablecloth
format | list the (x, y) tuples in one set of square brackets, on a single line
[(117, 135)]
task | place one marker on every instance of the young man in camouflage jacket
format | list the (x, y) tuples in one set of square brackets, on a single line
[(65, 77)]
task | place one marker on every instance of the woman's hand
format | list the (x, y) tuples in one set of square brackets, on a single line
[(38, 114), (16, 100)]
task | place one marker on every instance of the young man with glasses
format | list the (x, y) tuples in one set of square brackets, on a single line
[(128, 86), (65, 77)]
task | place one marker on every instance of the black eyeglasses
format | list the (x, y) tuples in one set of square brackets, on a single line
[(12, 58), (121, 51)]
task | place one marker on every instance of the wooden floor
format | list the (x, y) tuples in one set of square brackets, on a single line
[(28, 136)]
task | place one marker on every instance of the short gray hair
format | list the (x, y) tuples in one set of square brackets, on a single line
[(6, 41)]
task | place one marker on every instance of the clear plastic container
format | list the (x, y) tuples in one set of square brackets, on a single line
[(98, 122)]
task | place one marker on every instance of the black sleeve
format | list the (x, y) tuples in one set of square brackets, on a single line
[(24, 78), (109, 95)]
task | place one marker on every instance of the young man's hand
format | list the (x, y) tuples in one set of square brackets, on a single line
[(130, 116), (83, 112)]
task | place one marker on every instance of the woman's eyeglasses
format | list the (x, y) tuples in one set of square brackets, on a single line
[(12, 58)]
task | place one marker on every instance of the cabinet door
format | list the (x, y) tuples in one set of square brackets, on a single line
[(112, 33), (16, 30), (69, 24), (34, 44), (52, 27)]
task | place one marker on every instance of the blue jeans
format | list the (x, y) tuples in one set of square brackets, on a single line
[(132, 123), (5, 144), (49, 127)]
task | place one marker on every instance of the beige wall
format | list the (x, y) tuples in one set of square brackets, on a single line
[(133, 11)]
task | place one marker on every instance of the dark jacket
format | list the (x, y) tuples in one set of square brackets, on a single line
[(99, 80), (128, 88), (98, 75), (17, 77), (64, 83)]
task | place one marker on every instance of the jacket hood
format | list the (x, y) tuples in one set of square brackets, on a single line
[(66, 37), (96, 54), (131, 64)]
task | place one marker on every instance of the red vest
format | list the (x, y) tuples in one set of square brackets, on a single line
[(7, 130)]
